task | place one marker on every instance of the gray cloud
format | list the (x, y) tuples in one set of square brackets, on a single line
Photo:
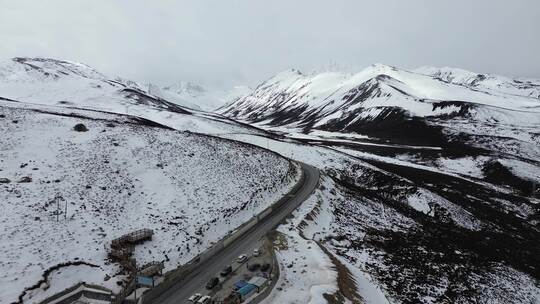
[(231, 42)]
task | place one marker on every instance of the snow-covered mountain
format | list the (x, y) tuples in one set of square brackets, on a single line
[(70, 84), (353, 102), (198, 97), (430, 183), (386, 103), (59, 82), (485, 82)]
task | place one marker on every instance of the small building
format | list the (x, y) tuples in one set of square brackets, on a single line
[(151, 269), (239, 284), (81, 293), (258, 282)]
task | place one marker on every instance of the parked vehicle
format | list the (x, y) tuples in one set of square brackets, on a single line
[(213, 282), (256, 252), (242, 258), (195, 297), (265, 267), (205, 300), (226, 271)]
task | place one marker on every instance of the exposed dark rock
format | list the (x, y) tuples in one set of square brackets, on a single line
[(497, 173), (80, 128), (25, 179)]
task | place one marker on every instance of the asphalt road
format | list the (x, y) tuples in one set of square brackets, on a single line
[(195, 281)]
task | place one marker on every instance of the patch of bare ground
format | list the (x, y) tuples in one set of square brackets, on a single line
[(346, 282), (278, 240), (309, 217)]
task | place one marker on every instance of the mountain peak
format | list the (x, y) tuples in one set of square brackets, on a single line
[(383, 67), (287, 74)]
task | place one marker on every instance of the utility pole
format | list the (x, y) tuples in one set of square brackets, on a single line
[(57, 198), (65, 210)]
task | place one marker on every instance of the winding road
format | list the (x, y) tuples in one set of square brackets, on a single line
[(195, 281)]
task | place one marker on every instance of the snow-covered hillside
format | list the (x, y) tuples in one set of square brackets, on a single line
[(187, 93), (122, 174)]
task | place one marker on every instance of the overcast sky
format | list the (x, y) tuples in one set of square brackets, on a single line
[(227, 42)]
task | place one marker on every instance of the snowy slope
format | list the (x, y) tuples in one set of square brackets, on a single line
[(124, 173)]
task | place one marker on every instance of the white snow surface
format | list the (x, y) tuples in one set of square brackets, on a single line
[(119, 176)]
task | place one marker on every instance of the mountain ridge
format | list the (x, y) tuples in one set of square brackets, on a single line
[(320, 100)]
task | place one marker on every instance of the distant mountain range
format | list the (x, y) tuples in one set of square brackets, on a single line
[(51, 81), (196, 96), (384, 97)]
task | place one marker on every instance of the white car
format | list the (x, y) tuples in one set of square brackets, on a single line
[(204, 300), (242, 258), (195, 297), (256, 252)]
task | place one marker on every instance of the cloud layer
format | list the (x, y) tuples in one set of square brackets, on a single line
[(233, 42)]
